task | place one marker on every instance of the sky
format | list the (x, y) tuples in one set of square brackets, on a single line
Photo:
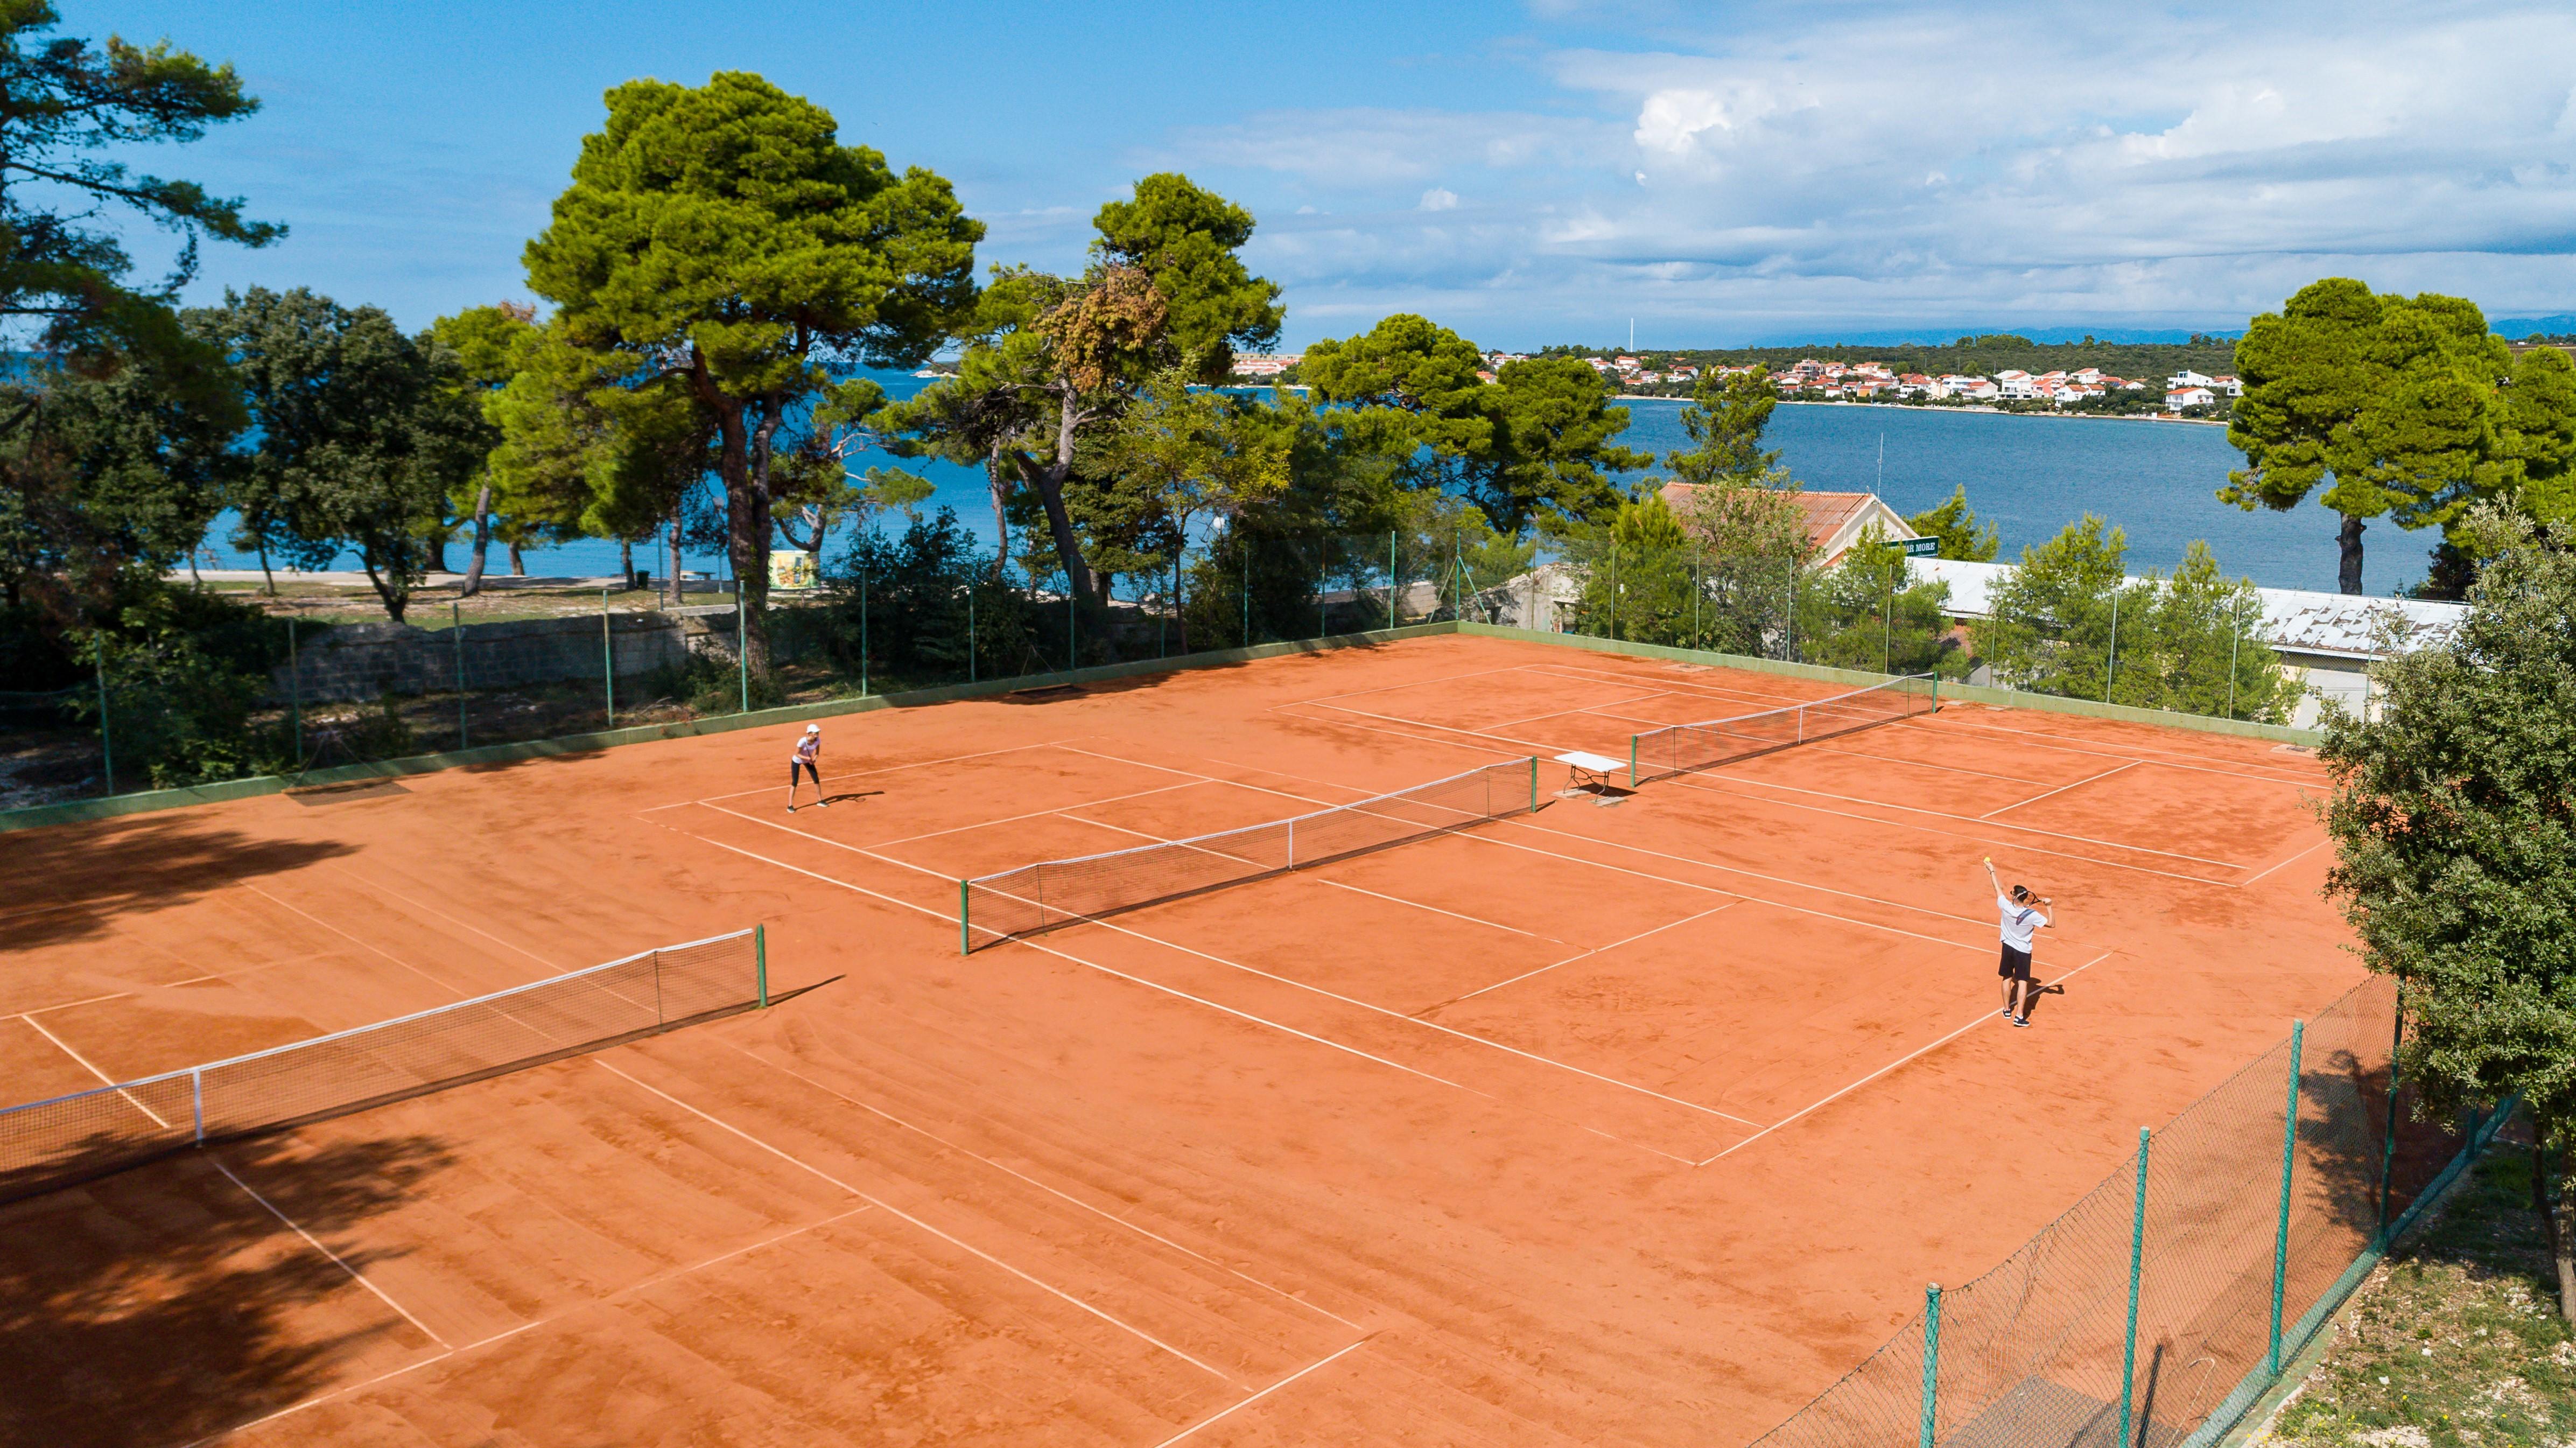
[(1713, 173)]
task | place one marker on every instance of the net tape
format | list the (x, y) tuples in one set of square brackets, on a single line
[(1682, 748), (52, 1143), (997, 907)]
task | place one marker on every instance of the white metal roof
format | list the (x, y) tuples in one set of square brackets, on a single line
[(2295, 619)]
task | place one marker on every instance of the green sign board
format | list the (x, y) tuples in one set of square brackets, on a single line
[(1917, 547)]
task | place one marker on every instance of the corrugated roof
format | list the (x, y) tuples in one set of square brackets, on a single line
[(2300, 620)]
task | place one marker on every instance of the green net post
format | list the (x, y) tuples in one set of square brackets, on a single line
[(1931, 1361), (760, 962), (1533, 784), (607, 662), (2137, 1265), (294, 691), (963, 948), (2281, 1231), (1632, 761), (106, 751), (456, 632)]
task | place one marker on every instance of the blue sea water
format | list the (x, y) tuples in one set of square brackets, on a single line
[(2029, 475)]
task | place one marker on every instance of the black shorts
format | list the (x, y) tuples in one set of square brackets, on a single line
[(2016, 964), (806, 766)]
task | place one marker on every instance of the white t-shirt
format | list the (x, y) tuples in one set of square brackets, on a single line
[(2019, 921), (806, 748)]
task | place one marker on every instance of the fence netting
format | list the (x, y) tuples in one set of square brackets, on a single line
[(47, 1144), (997, 907), (1680, 748), (2036, 1353)]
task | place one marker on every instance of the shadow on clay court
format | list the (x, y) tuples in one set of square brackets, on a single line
[(162, 1304), (66, 883)]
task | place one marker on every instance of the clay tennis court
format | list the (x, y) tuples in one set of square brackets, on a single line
[(1637, 1123)]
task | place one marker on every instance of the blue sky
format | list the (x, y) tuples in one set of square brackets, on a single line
[(1719, 172)]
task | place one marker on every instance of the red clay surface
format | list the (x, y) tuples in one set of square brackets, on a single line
[(1607, 1125)]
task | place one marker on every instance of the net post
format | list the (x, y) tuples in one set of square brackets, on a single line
[(1931, 1362), (760, 964), (1292, 842), (2281, 1231), (963, 948), (1632, 761), (1533, 784), (197, 1100), (2137, 1264)]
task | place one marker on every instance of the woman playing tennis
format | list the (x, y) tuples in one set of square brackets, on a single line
[(806, 759)]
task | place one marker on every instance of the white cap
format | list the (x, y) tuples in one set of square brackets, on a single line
[(813, 728)]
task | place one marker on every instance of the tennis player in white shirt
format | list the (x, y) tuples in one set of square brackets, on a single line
[(806, 759), (2021, 919)]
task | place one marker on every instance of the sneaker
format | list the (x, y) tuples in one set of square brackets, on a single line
[(2006, 1013), (791, 809), (822, 804), (2021, 1020)]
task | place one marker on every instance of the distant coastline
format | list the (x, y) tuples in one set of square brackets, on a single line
[(2167, 418)]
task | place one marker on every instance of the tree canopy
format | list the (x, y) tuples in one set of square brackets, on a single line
[(723, 236), (1725, 419), (2454, 821)]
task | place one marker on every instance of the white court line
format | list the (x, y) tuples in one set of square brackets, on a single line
[(1533, 744), (1828, 747), (2170, 759), (1257, 1397), (1890, 1066), (32, 1011), (1336, 1045), (898, 1212), (345, 935), (828, 840), (1687, 781), (1400, 734), (450, 919), (316, 1244), (1709, 889), (1602, 709), (1715, 694), (2063, 788), (1239, 784), (864, 773), (1436, 910), (1036, 813), (1586, 955), (1112, 1217), (436, 1358), (2268, 869), (1416, 1020), (1410, 684), (89, 1066)]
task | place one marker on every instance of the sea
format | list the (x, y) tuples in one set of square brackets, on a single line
[(2157, 482)]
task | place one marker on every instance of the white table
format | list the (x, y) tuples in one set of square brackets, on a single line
[(1590, 774)]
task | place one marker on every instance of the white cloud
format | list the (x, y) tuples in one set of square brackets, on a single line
[(1438, 198), (2031, 167)]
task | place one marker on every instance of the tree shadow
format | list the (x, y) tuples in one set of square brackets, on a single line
[(162, 1304), (67, 882)]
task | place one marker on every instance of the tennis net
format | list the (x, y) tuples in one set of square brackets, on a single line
[(50, 1144), (1682, 748), (997, 907)]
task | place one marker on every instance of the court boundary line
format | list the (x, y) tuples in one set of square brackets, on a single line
[(656, 1280), (92, 1067), (2077, 744), (345, 935), (1837, 746), (1584, 955), (899, 1213), (863, 773), (2077, 784), (1010, 1171), (2277, 864), (443, 915), (1265, 1392), (1915, 1054), (1723, 693), (1413, 684), (1040, 813), (336, 1259)]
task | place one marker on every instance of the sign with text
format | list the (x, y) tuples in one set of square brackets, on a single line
[(792, 568)]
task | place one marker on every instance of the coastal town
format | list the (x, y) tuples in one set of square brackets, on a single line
[(2185, 393)]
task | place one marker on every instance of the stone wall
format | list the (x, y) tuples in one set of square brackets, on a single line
[(362, 661)]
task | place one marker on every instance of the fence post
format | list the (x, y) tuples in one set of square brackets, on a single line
[(1072, 628), (863, 630), (295, 691), (742, 637), (1392, 582), (456, 632), (1887, 630), (1931, 1361), (607, 660), (2235, 636), (106, 751), (2388, 1150), (970, 633), (2281, 1232), (197, 1101), (2137, 1264), (962, 947), (760, 962), (1247, 592), (2111, 666)]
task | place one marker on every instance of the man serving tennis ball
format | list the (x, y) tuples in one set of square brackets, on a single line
[(2021, 917)]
